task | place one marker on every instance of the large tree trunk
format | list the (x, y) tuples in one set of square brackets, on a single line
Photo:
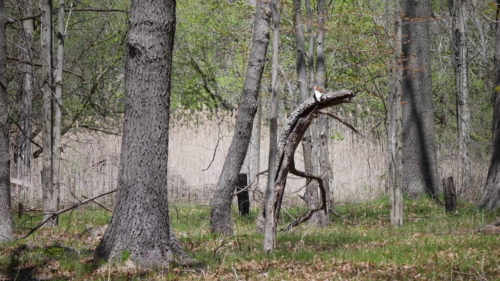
[(270, 226), (221, 204), (5, 212), (140, 222), (491, 195), (50, 199), (419, 154), (459, 53)]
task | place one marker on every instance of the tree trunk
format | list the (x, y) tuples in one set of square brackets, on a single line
[(24, 154), (302, 85), (321, 218), (50, 200), (140, 222), (5, 212), (56, 148), (254, 147), (252, 158), (270, 226), (311, 137), (290, 137), (390, 111), (396, 161), (491, 195), (459, 51), (419, 154), (223, 197)]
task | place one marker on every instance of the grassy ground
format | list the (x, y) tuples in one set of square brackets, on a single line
[(432, 245)]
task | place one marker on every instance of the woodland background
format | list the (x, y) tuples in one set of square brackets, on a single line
[(211, 49)]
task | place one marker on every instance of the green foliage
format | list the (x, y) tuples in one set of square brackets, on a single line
[(211, 46)]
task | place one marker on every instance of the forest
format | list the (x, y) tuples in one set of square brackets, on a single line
[(249, 140)]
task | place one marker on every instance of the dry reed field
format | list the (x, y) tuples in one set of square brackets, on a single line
[(198, 145)]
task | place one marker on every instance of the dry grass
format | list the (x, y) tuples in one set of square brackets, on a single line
[(198, 145)]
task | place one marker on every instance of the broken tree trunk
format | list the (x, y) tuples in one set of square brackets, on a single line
[(290, 137)]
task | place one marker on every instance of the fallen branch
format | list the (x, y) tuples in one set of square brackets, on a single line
[(76, 205), (98, 204)]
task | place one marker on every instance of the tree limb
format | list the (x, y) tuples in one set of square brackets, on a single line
[(250, 184), (74, 206)]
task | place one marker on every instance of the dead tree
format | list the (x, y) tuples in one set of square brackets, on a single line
[(290, 137)]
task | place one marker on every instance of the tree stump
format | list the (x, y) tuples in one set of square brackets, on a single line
[(243, 197), (450, 197)]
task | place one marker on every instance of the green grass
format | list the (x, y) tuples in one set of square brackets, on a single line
[(362, 245)]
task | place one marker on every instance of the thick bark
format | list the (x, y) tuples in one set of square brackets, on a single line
[(419, 154), (50, 198), (395, 178), (5, 212), (221, 204), (140, 222), (491, 195), (459, 51), (270, 225)]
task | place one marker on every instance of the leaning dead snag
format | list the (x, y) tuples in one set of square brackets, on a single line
[(290, 137)]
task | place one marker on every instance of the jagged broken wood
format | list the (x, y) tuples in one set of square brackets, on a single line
[(290, 137)]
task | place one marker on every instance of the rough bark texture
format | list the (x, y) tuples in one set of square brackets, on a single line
[(50, 198), (419, 153), (5, 212), (290, 137), (459, 51), (221, 205), (140, 222), (491, 195)]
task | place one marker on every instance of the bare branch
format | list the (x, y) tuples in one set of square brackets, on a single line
[(250, 184), (213, 156), (39, 65), (74, 206)]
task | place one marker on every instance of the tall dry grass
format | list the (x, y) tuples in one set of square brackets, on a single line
[(198, 145)]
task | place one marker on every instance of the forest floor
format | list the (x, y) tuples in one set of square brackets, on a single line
[(432, 245)]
